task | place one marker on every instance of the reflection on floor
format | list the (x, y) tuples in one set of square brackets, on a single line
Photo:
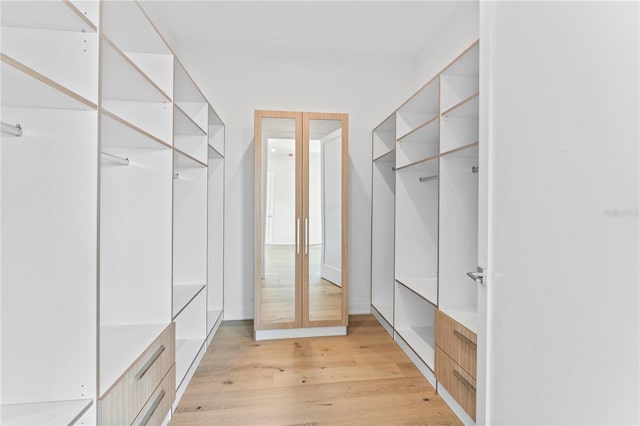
[(278, 296)]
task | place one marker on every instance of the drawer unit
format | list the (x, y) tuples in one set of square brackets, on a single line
[(124, 401), (457, 341), (460, 385), (159, 405)]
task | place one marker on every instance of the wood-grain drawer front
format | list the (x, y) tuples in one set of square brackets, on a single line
[(159, 405), (457, 341), (125, 399), (460, 385)]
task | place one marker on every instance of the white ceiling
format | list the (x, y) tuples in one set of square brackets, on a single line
[(354, 27)]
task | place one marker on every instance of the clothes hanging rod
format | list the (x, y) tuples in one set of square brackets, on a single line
[(12, 129), (475, 169), (114, 158), (428, 178)]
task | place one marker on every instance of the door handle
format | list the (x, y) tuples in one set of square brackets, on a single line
[(477, 276), (306, 235), (297, 236)]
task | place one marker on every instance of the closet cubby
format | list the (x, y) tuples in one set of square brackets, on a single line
[(459, 235), (61, 53), (416, 242), (384, 137), (130, 95), (415, 323), (191, 116), (190, 335), (127, 26), (419, 145), (459, 101), (135, 245), (421, 108), (216, 132), (382, 235), (69, 58), (215, 232)]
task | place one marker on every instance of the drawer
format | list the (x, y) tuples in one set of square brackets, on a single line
[(159, 405), (457, 341), (122, 403), (460, 385)]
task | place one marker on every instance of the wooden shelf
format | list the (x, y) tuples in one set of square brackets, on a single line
[(52, 15), (118, 132), (467, 108), (428, 164), (123, 80), (213, 153), (24, 87), (184, 124), (183, 294), (128, 26), (469, 150), (468, 317), (387, 157), (120, 346), (424, 133), (184, 160), (467, 63), (44, 413), (425, 287)]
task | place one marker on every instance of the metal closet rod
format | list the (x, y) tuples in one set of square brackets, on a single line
[(475, 169), (12, 129), (114, 158), (428, 178)]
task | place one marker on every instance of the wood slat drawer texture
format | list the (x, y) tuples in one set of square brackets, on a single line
[(123, 402), (457, 341), (460, 385), (159, 405)]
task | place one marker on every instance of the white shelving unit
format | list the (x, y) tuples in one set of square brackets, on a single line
[(433, 196), (49, 214), (88, 213)]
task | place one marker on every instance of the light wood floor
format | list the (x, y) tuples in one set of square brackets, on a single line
[(359, 379)]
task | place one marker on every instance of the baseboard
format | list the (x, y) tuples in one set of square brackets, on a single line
[(238, 312), (358, 307)]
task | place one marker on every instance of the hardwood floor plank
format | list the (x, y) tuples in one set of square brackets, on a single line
[(359, 379)]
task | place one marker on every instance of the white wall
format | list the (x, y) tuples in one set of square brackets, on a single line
[(563, 101), (238, 81)]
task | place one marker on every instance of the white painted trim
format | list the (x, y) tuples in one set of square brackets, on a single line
[(238, 312), (383, 322), (293, 333), (188, 376), (417, 361), (361, 306), (455, 407), (213, 331), (332, 274)]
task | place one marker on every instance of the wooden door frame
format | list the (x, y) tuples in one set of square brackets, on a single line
[(257, 227)]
